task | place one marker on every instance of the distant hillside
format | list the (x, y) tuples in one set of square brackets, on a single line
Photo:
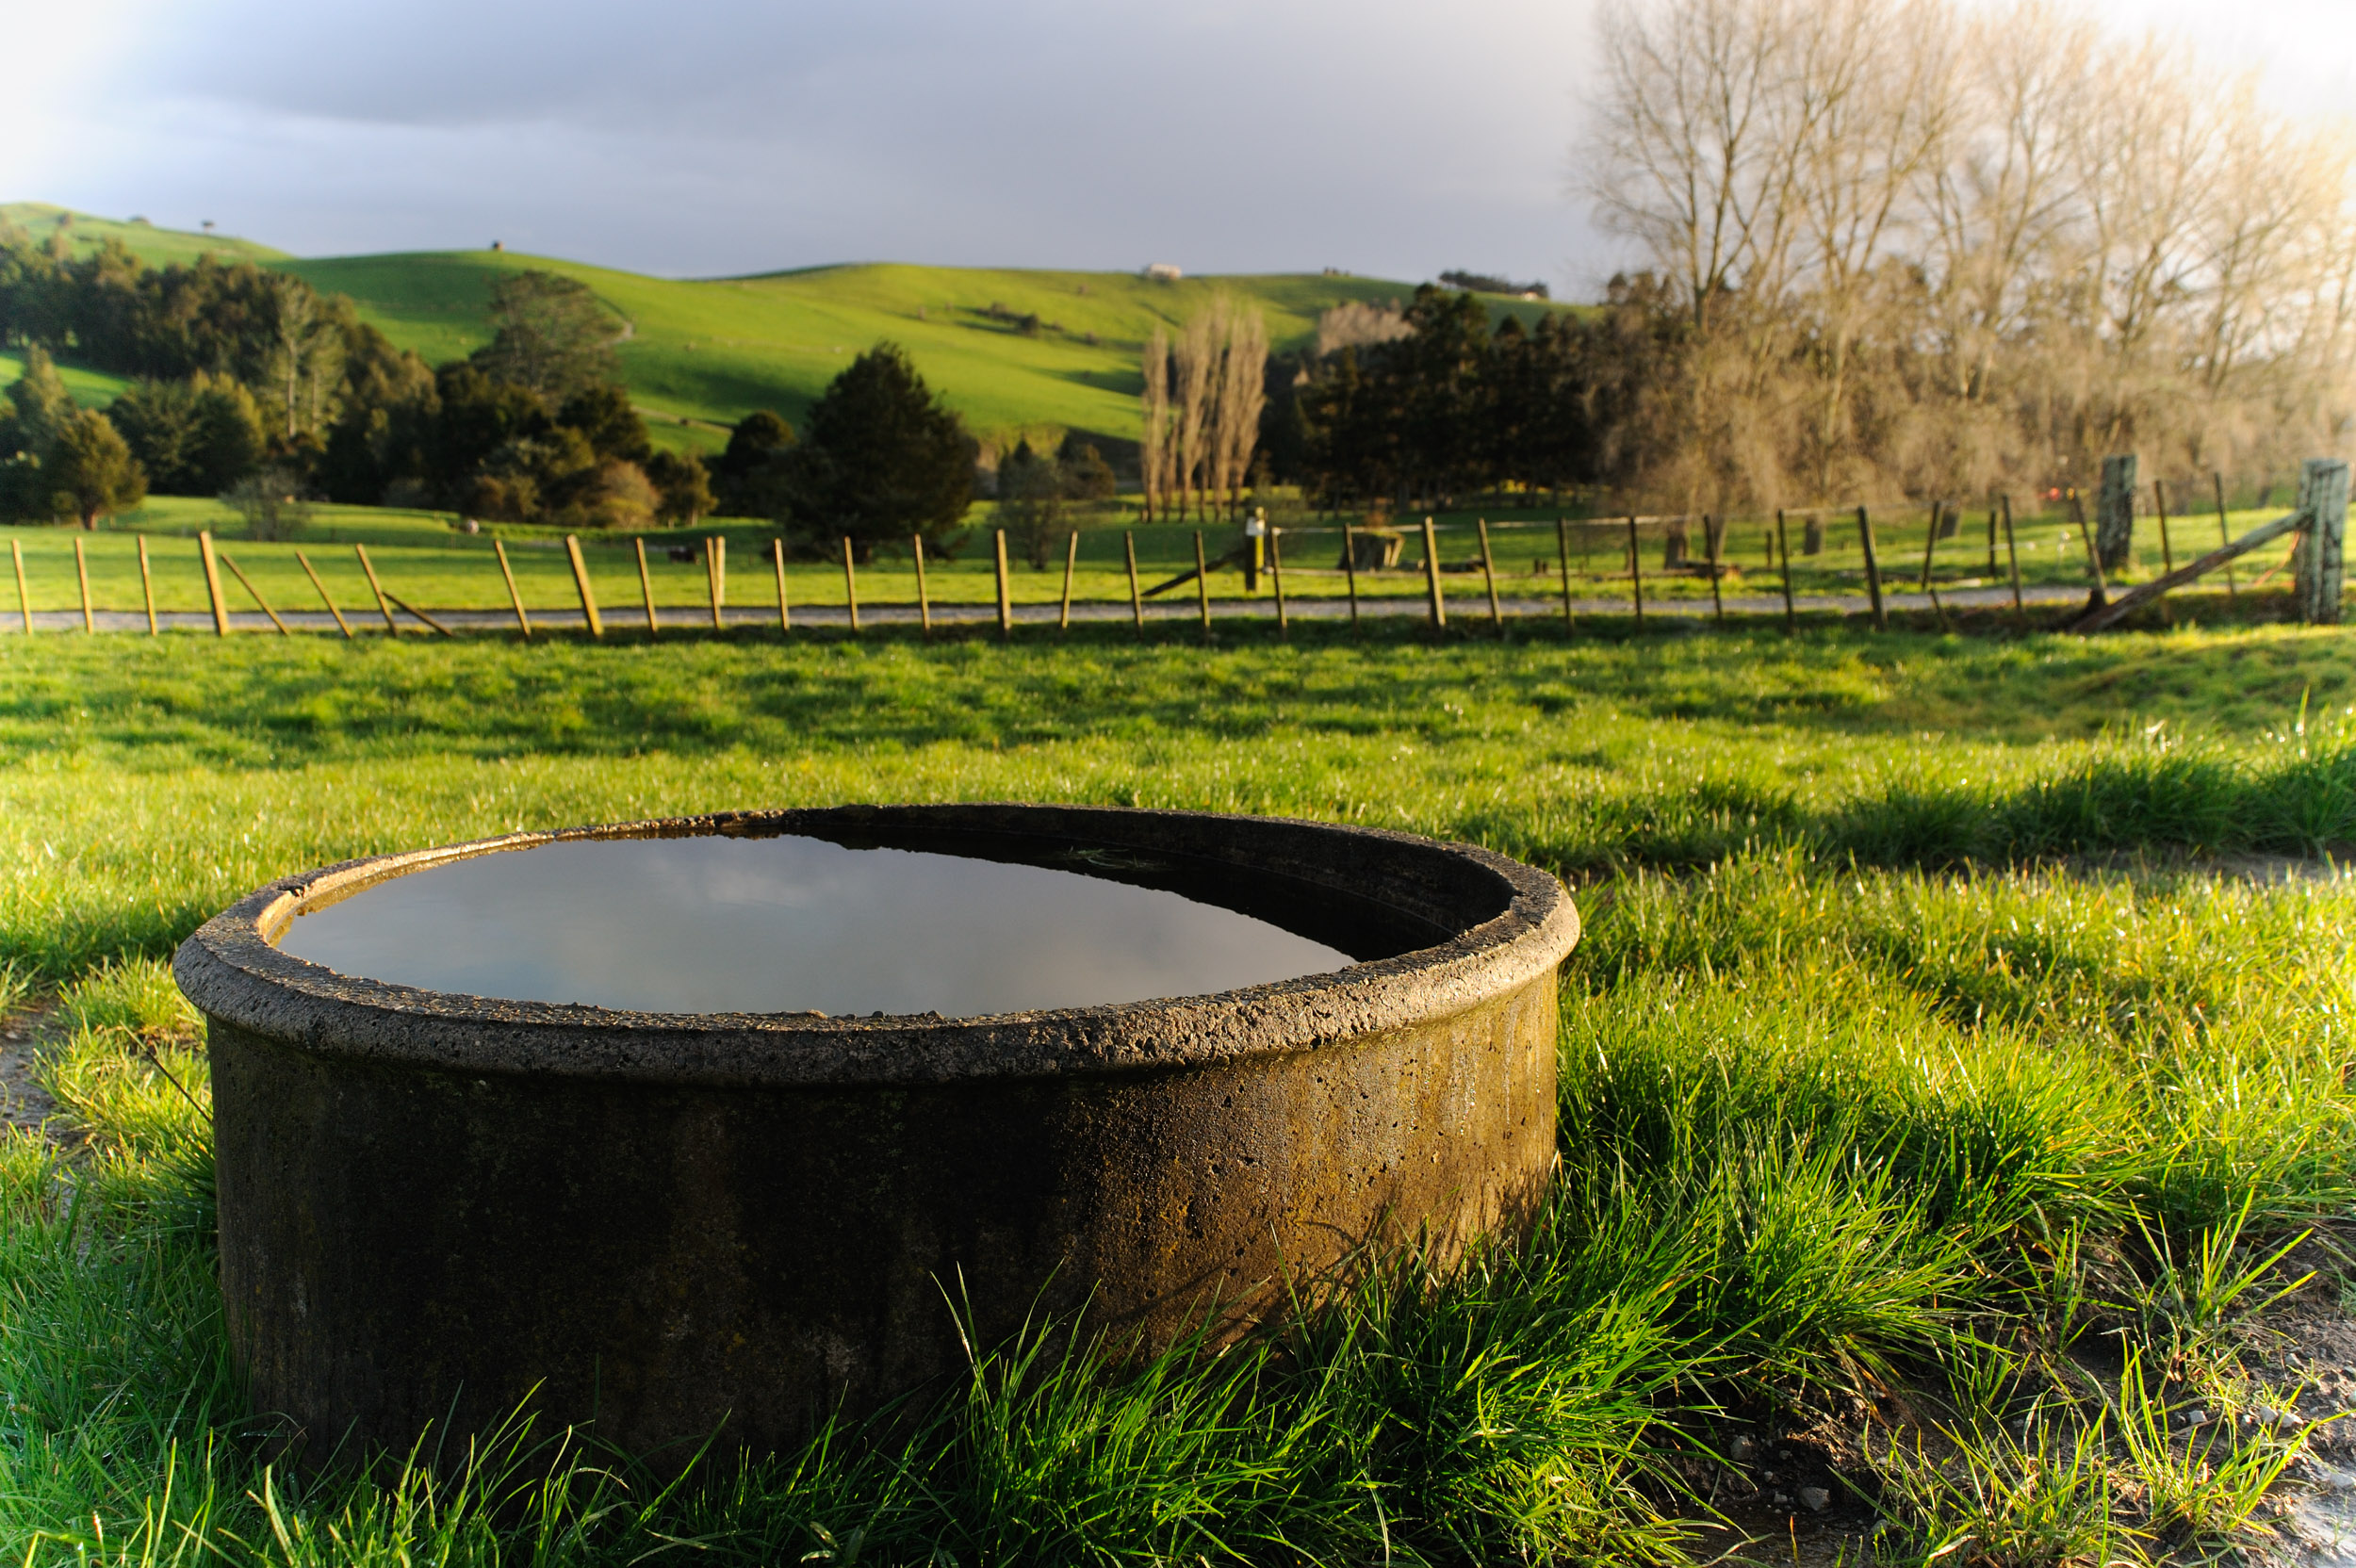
[(707, 352), (715, 349), (156, 247)]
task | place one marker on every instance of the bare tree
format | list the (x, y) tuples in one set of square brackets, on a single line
[(1938, 250), (1154, 454), (1242, 393), (1192, 360), (1357, 325)]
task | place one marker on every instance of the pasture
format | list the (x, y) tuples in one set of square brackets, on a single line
[(698, 355), (708, 352), (1940, 1085)]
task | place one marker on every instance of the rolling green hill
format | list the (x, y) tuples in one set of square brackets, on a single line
[(156, 247), (701, 355), (714, 351)]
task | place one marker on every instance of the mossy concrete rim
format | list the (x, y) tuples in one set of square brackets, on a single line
[(231, 971)]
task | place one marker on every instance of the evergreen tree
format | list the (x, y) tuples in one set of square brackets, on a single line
[(748, 478), (1030, 503), (883, 459), (604, 414), (37, 413), (686, 489), (194, 437), (91, 472), (1086, 477)]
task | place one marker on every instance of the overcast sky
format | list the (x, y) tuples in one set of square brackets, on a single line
[(736, 136)]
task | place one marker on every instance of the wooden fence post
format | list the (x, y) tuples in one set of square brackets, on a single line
[(924, 596), (392, 627), (305, 562), (212, 585), (1563, 559), (1071, 560), (1489, 578), (2323, 508), (645, 588), (2224, 534), (2094, 565), (1713, 528), (247, 583), (850, 584), (580, 581), (147, 590), (1930, 546), (2115, 513), (514, 596), (1873, 570), (81, 572), (2159, 511), (1783, 547), (1276, 578), (1005, 605), (23, 605), (1201, 585), (1431, 578), (2100, 613), (1937, 516), (1635, 574), (402, 604), (776, 559), (1349, 573), (716, 575), (1136, 601), (2012, 557)]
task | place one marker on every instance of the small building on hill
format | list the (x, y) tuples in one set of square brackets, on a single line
[(1165, 272)]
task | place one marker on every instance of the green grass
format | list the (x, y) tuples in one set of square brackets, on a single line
[(89, 388), (1871, 1081), (713, 350), (702, 353), (157, 247)]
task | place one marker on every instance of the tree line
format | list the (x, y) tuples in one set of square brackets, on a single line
[(1430, 401), (250, 379), (1890, 247), (1912, 246), (1205, 389)]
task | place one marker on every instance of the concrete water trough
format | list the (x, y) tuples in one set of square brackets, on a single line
[(1126, 1067)]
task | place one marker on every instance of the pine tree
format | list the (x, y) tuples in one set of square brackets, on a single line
[(93, 472), (881, 459)]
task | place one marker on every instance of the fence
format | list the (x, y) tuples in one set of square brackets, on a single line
[(1688, 564)]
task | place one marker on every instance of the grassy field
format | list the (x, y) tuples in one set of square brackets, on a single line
[(699, 354), (713, 350), (1899, 1135), (423, 558), (157, 247)]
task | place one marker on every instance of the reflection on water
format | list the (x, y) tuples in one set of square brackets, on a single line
[(787, 924)]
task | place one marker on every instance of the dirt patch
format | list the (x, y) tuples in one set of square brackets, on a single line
[(23, 1101)]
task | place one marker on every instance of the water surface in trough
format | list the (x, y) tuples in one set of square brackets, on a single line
[(718, 924)]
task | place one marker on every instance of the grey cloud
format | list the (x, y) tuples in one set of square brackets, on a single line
[(1384, 137)]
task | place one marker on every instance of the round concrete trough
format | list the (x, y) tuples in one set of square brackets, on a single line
[(437, 1206)]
